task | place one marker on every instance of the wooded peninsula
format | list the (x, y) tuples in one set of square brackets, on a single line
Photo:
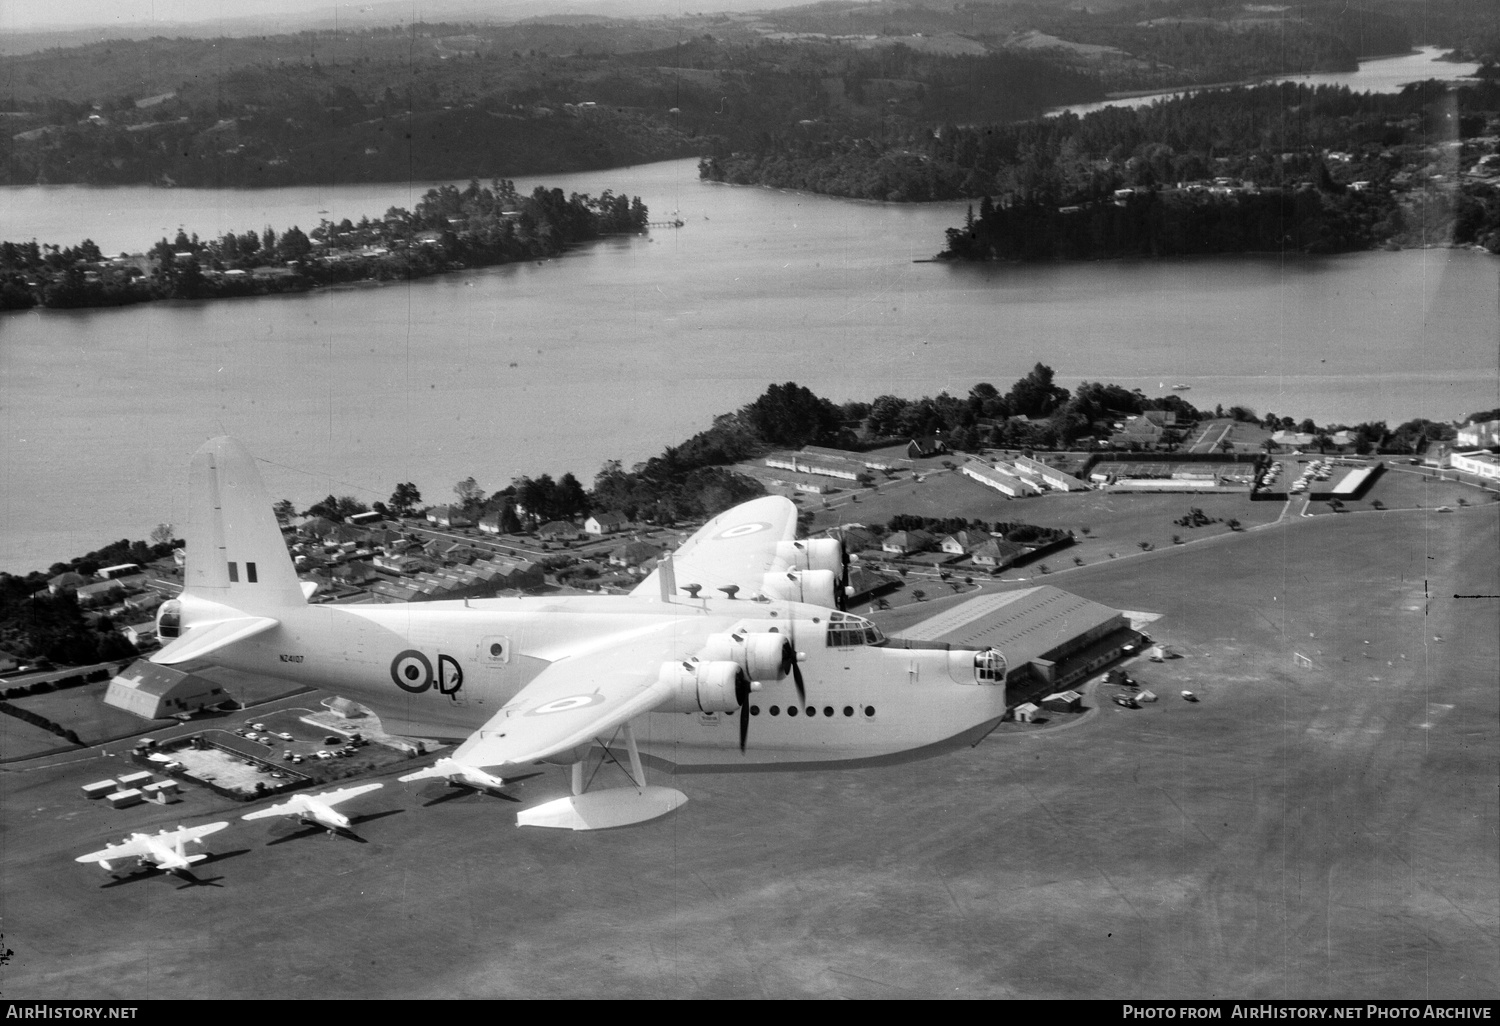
[(450, 230)]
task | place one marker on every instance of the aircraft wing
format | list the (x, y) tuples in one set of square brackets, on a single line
[(132, 848), (296, 805), (193, 833), (735, 547), (343, 794), (575, 700)]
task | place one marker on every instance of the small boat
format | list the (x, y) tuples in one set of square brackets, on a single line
[(1181, 388)]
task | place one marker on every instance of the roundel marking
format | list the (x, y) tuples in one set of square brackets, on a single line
[(568, 704), (412, 671), (740, 530)]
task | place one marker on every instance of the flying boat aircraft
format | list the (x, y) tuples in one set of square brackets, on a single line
[(163, 850), (316, 809), (733, 651)]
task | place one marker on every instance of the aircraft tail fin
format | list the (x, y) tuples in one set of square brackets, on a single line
[(235, 553)]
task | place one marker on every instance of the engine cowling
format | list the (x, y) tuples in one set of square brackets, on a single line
[(820, 587), (702, 686), (812, 554), (762, 656)]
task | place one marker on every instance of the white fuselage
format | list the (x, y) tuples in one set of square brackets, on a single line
[(442, 669)]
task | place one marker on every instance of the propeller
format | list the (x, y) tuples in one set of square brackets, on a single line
[(744, 687), (789, 662), (841, 588)]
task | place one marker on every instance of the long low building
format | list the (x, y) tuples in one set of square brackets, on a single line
[(1480, 464), (1047, 635), (1000, 480)]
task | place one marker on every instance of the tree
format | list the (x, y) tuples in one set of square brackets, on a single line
[(284, 511), (338, 508), (1035, 395), (470, 495), (162, 535), (919, 594), (404, 499), (792, 415)]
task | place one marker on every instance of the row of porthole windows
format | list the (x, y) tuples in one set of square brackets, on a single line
[(812, 710)]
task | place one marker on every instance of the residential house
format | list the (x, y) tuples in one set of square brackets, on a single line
[(961, 542), (929, 445), (604, 523), (1293, 438), (449, 516), (635, 554), (1479, 435), (559, 530), (996, 553), (906, 542)]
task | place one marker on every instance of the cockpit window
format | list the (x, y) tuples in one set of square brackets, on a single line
[(846, 629)]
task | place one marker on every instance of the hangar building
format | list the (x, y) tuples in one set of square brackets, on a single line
[(156, 692), (1048, 636)]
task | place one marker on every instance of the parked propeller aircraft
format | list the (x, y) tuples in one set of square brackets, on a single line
[(458, 774), (163, 850), (753, 633), (316, 809)]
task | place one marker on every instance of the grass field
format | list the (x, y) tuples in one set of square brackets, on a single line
[(19, 739), (83, 711), (1306, 831)]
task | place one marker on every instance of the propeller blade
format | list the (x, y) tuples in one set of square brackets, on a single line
[(742, 696), (797, 679)]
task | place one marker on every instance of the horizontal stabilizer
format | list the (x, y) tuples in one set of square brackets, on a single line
[(201, 640)]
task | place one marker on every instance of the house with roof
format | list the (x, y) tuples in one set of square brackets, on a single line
[(100, 594), (449, 516), (559, 530), (926, 446), (604, 523), (635, 554), (904, 543), (1478, 435), (992, 552), (1294, 438), (69, 581), (960, 542), (140, 634), (490, 523)]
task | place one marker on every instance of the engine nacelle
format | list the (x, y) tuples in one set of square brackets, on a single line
[(812, 554), (701, 686), (820, 587), (762, 656)]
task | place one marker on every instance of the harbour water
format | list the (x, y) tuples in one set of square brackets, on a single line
[(1376, 75), (624, 346)]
